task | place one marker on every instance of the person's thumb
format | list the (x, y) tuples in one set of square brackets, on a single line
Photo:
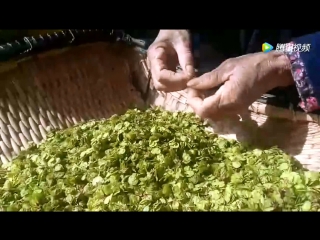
[(185, 57)]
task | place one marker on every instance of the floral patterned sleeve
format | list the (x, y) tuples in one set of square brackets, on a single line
[(304, 54)]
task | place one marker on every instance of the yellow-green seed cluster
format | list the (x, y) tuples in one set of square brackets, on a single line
[(153, 160)]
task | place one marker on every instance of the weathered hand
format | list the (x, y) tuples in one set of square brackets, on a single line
[(171, 48), (244, 79)]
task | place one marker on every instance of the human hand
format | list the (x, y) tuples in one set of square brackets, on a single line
[(244, 80), (171, 48)]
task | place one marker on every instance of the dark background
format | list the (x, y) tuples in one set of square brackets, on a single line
[(228, 41)]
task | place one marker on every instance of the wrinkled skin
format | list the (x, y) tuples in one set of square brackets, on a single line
[(244, 79)]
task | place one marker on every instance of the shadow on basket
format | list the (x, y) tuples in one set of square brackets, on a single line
[(59, 88)]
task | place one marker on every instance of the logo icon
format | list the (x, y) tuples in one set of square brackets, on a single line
[(266, 47)]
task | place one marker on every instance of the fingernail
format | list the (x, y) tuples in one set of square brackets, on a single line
[(190, 70)]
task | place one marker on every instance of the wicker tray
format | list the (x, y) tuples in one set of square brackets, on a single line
[(55, 81)]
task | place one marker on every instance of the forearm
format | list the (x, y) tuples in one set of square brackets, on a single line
[(297, 63)]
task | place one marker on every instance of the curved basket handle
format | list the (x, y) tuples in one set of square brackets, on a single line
[(61, 39)]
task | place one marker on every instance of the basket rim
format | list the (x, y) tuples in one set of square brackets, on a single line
[(33, 45)]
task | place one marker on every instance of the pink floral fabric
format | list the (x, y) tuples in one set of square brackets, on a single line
[(308, 101)]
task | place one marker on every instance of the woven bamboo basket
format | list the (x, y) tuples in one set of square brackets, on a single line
[(58, 80)]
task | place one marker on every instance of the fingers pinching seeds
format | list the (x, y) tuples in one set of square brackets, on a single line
[(164, 78)]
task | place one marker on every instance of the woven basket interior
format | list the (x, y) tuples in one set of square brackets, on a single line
[(61, 88)]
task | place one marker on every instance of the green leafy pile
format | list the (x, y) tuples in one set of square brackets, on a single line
[(153, 160)]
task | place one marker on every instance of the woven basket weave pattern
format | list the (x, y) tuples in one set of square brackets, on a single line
[(62, 88), (59, 90)]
